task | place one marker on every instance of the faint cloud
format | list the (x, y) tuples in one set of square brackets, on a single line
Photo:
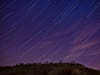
[(81, 46)]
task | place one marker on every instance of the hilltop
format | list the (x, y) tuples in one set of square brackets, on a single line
[(48, 69)]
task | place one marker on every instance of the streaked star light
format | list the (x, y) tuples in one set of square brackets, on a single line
[(50, 30)]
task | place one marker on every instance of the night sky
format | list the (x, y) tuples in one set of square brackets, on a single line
[(50, 30)]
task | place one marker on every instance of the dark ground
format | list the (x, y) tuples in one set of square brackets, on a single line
[(48, 69)]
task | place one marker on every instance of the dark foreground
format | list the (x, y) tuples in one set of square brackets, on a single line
[(48, 69)]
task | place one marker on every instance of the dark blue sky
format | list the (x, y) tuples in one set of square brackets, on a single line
[(50, 30)]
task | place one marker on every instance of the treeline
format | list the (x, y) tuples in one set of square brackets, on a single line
[(48, 69)]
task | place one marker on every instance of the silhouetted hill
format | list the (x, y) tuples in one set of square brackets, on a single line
[(48, 69)]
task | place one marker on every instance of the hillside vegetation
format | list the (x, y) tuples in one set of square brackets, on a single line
[(48, 69)]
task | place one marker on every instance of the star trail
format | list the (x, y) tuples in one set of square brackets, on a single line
[(50, 30)]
